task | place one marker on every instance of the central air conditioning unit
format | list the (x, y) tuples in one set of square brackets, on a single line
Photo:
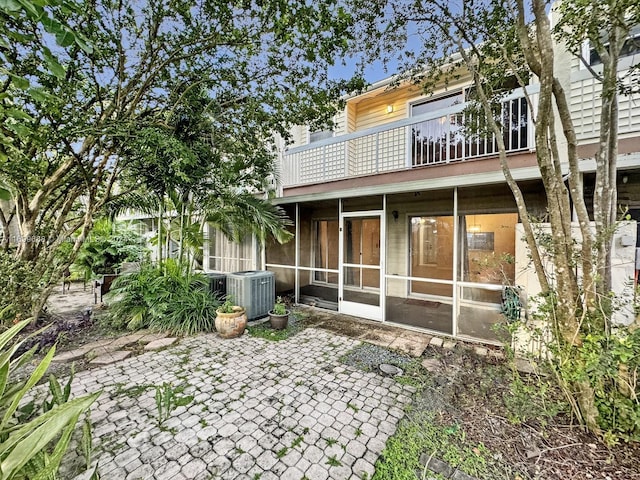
[(254, 290), (218, 284)]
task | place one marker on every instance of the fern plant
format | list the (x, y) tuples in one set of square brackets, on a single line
[(169, 298)]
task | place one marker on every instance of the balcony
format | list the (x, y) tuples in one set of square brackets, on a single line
[(434, 138)]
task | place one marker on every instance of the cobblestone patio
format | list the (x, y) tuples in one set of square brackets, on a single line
[(260, 409)]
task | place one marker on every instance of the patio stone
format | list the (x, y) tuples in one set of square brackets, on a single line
[(70, 355), (431, 364), (381, 338), (125, 340), (108, 358), (272, 409), (410, 346), (160, 343)]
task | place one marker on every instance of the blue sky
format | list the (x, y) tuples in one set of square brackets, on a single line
[(373, 73)]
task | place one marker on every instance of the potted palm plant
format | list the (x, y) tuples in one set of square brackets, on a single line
[(279, 315), (231, 320)]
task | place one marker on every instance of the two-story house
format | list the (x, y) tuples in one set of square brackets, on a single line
[(401, 217)]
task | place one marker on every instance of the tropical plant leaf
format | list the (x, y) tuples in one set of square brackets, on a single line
[(31, 438)]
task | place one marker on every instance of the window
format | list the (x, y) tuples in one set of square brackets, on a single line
[(319, 135), (431, 139), (630, 47), (431, 250), (487, 248), (228, 256)]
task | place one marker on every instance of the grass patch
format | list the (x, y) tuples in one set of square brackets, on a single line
[(297, 442), (414, 374), (132, 392), (264, 330), (422, 432)]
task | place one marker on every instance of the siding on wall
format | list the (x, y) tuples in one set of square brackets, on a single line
[(298, 135), (350, 112), (371, 112), (585, 107), (340, 123)]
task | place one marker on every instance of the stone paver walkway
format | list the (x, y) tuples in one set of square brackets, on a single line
[(76, 299), (259, 409)]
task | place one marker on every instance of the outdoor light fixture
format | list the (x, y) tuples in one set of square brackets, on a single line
[(395, 215), (389, 108)]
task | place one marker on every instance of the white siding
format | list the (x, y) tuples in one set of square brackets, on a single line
[(585, 108)]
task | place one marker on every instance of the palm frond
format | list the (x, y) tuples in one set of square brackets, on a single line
[(137, 201)]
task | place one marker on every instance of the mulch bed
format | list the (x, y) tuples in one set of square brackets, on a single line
[(539, 448)]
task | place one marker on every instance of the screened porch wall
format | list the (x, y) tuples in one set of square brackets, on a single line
[(442, 254), (422, 296), (318, 247), (282, 257), (311, 275), (424, 239)]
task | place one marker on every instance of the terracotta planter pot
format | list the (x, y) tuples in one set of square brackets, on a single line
[(231, 325), (279, 322)]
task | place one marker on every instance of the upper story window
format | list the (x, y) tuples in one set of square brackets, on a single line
[(319, 135), (459, 135), (630, 47), (431, 140), (436, 104)]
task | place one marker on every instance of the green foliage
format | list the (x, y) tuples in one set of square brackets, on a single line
[(33, 439), (279, 308), (610, 364), (21, 282), (534, 399), (167, 400), (420, 432), (131, 296), (606, 361), (227, 306), (193, 116), (108, 246), (333, 461), (86, 442), (167, 298)]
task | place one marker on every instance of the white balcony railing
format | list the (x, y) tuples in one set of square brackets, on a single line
[(433, 138)]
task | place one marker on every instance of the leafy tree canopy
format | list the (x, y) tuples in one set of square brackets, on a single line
[(83, 81)]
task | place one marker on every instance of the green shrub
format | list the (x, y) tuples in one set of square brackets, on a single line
[(107, 247), (20, 286), (131, 296), (169, 298), (611, 364), (33, 439)]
